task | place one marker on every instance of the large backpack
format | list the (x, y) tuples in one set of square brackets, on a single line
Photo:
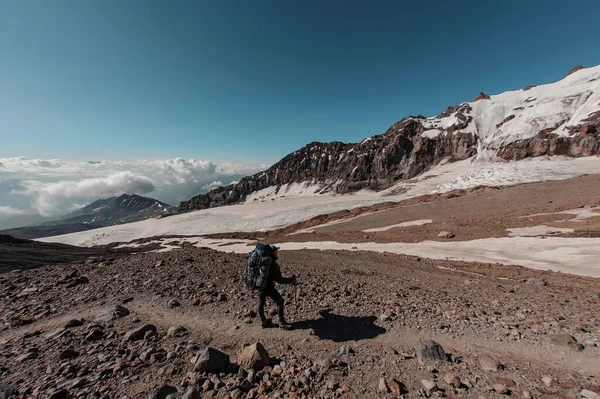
[(257, 275)]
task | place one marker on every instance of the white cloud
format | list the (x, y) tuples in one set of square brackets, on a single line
[(49, 198), (54, 186), (10, 211), (212, 185)]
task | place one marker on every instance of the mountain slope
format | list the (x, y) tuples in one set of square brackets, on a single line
[(116, 210), (104, 212), (561, 118)]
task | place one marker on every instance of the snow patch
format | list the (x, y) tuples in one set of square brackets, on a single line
[(403, 224)]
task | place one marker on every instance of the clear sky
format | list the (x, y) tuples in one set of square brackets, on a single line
[(255, 80)]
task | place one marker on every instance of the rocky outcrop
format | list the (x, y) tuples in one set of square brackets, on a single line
[(482, 96), (577, 68), (582, 140), (376, 163)]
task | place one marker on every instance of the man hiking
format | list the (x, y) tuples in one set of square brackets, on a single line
[(269, 274)]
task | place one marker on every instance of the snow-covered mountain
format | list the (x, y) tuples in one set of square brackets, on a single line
[(561, 118), (104, 212)]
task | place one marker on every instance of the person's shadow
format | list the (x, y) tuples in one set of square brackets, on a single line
[(340, 328)]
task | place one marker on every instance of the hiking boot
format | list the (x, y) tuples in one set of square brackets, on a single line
[(266, 323), (284, 325)]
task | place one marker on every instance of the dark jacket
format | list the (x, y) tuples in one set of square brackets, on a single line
[(274, 272)]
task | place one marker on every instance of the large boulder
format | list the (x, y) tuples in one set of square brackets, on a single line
[(430, 351), (111, 314), (211, 360), (253, 357)]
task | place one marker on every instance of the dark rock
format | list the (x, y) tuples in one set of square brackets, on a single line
[(74, 323), (139, 333), (162, 392), (211, 360), (68, 354), (7, 391), (78, 281), (95, 334), (58, 394), (430, 351), (191, 393), (111, 314)]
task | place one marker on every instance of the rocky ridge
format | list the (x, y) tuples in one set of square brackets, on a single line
[(562, 118)]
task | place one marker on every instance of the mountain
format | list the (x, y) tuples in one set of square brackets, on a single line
[(561, 118), (116, 210), (104, 212)]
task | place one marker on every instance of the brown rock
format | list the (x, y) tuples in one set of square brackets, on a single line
[(396, 387), (489, 364), (253, 357)]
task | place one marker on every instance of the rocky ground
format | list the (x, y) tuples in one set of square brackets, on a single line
[(182, 324)]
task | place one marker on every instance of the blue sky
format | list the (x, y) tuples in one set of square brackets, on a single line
[(255, 80)]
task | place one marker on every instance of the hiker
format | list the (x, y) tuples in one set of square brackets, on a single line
[(266, 283)]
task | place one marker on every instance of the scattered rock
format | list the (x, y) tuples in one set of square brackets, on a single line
[(212, 360), (173, 303), (58, 394), (111, 314), (74, 323), (253, 357), (382, 387), (78, 281), (452, 380), (191, 393), (489, 364), (536, 281), (396, 387), (7, 391), (162, 392), (587, 394), (566, 340), (346, 350), (429, 386), (324, 362), (548, 381), (177, 331), (95, 334), (68, 354), (445, 234), (139, 333), (500, 388), (430, 351)]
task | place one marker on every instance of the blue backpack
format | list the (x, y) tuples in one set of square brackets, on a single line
[(254, 277)]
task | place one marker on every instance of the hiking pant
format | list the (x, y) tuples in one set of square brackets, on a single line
[(275, 296)]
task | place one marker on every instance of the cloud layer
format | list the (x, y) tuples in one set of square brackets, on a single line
[(6, 210), (52, 187)]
